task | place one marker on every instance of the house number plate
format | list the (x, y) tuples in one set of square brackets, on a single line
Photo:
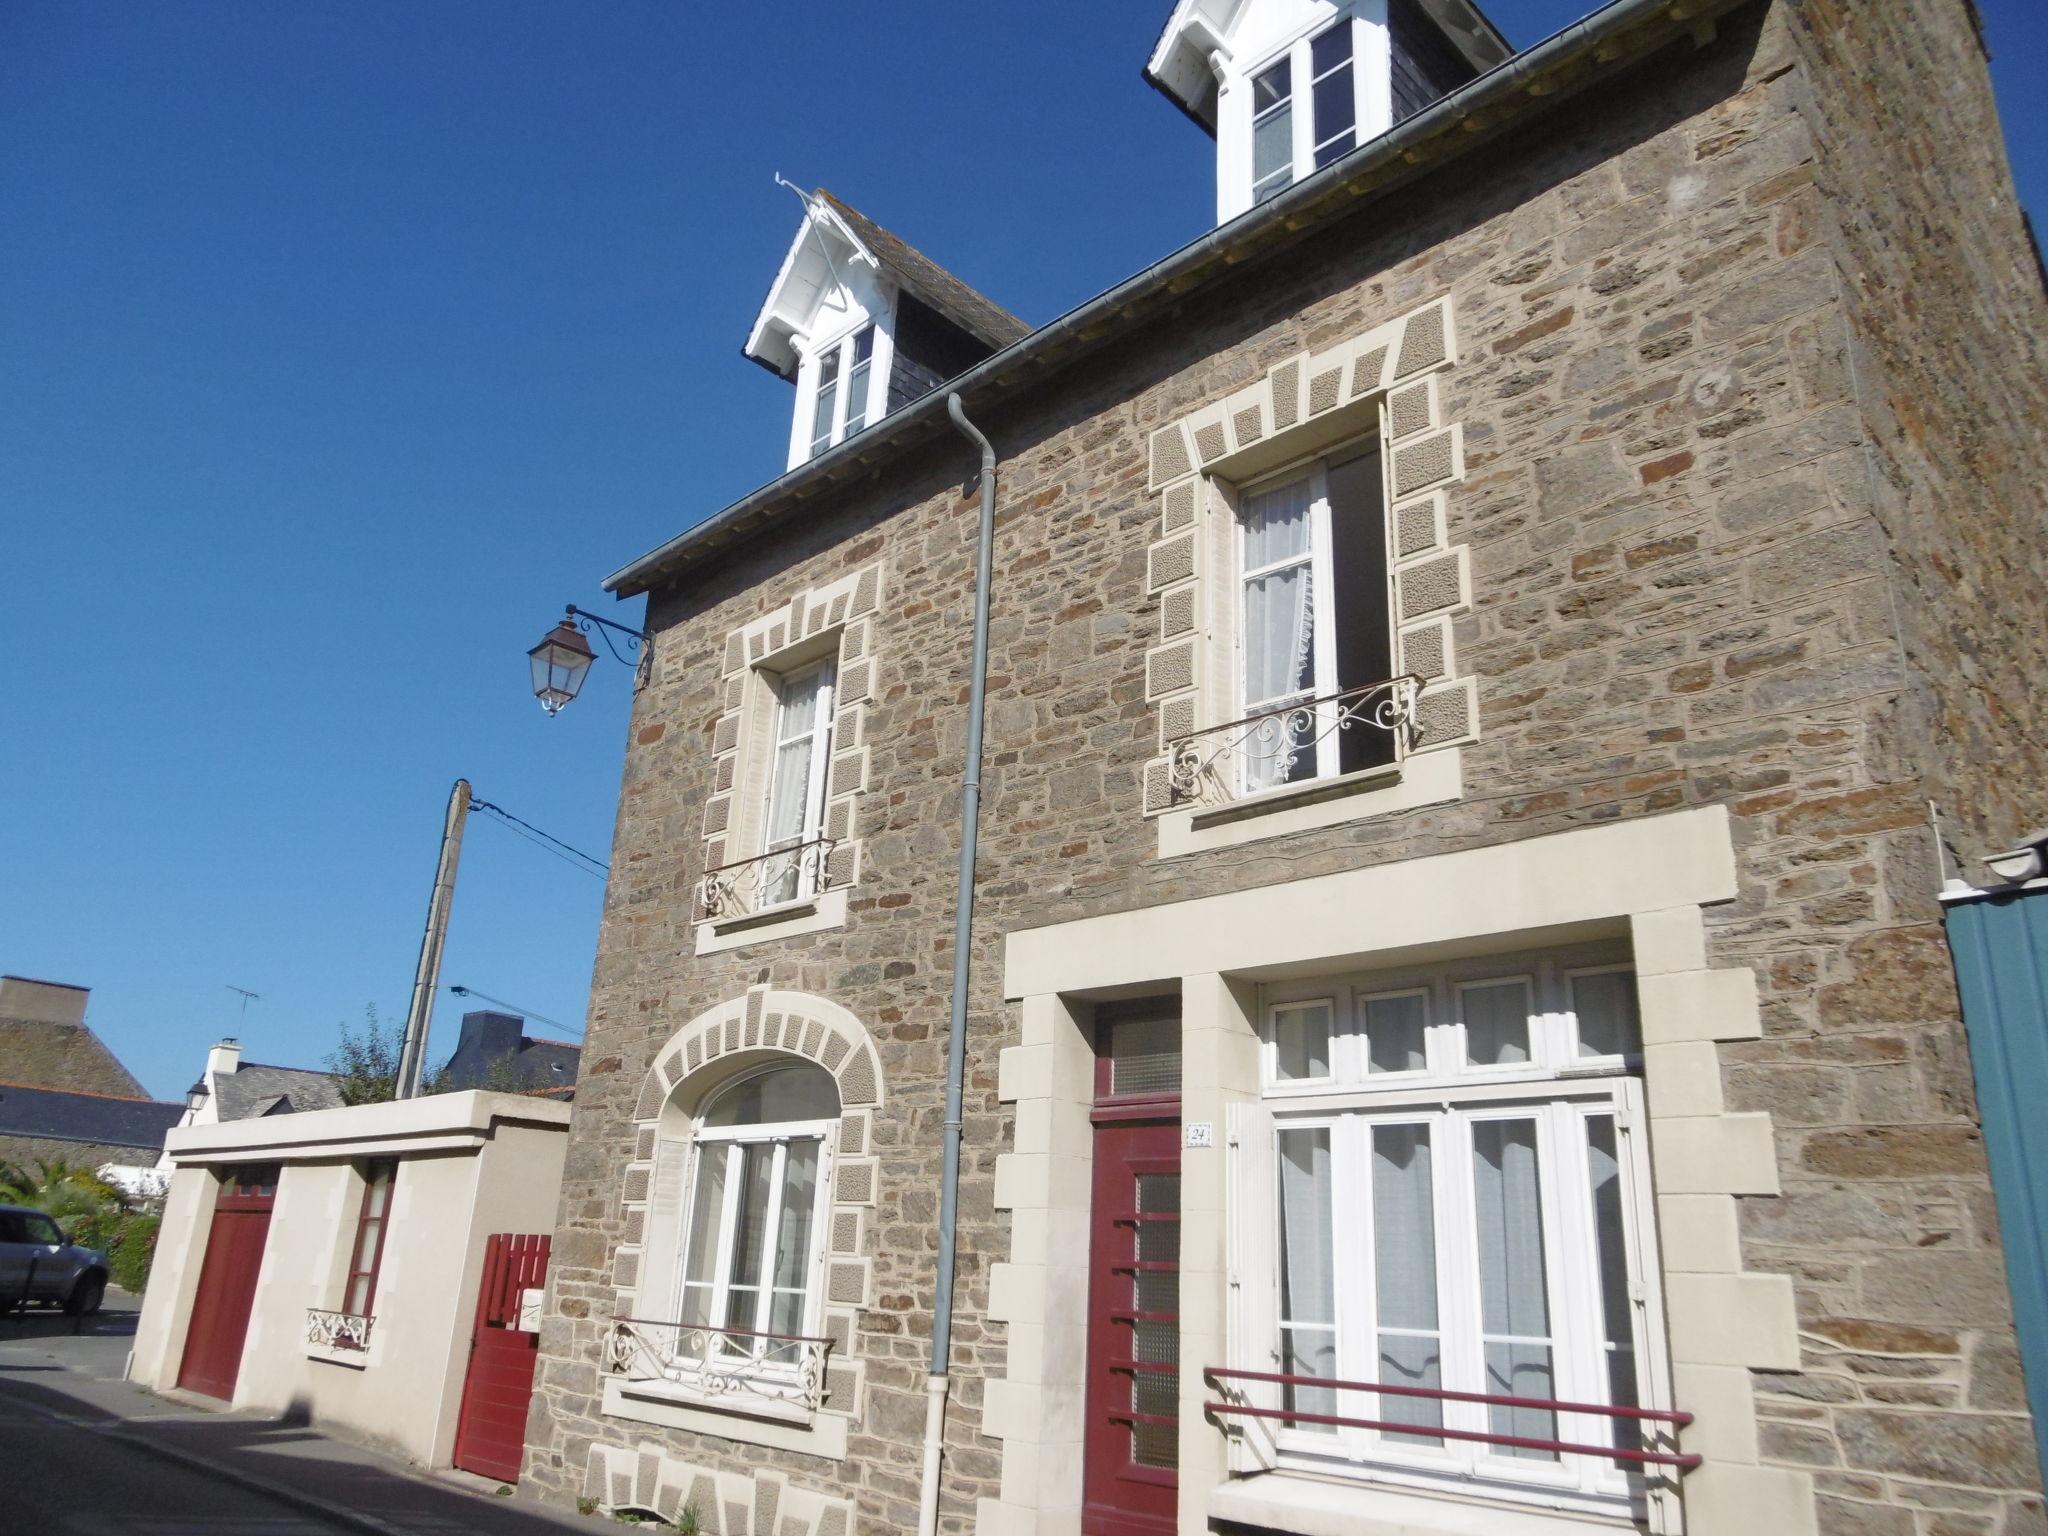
[(1199, 1133)]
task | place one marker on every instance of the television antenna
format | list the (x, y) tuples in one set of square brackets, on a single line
[(248, 997)]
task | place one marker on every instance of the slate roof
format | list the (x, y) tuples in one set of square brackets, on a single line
[(39, 1053), (56, 1114), (253, 1089), (976, 314)]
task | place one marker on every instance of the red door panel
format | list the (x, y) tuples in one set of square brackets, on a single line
[(490, 1435), (1130, 1481), (227, 1290)]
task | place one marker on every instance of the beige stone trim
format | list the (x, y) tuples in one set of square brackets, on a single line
[(1648, 878), (650, 1478), (742, 1032), (1431, 779), (836, 619), (1385, 381)]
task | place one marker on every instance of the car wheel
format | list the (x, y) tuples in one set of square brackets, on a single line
[(86, 1296)]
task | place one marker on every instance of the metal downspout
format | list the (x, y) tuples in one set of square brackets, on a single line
[(956, 1035)]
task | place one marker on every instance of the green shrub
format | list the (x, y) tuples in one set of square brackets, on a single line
[(132, 1250)]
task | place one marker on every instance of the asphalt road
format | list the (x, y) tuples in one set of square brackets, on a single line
[(64, 1478), (83, 1452)]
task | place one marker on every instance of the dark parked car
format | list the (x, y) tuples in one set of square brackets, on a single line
[(37, 1264)]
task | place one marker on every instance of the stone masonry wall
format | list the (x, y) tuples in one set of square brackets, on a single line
[(1666, 462)]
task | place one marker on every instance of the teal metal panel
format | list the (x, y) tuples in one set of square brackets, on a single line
[(2000, 945)]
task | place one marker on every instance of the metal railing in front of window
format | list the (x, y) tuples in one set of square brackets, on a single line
[(746, 886), (720, 1362), (1684, 1462), (1222, 763), (337, 1330)]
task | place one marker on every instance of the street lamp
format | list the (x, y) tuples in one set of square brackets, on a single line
[(196, 1096), (564, 656)]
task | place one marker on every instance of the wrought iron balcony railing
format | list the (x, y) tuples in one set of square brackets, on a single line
[(1224, 763), (746, 886), (1409, 1429), (720, 1362), (337, 1330)]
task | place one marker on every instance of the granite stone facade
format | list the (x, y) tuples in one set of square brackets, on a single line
[(1744, 479)]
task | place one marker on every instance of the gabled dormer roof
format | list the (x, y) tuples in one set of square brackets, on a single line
[(834, 237), (1179, 65)]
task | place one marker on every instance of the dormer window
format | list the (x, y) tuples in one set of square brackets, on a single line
[(1290, 86), (863, 325), (1287, 145), (841, 408)]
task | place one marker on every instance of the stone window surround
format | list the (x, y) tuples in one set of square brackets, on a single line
[(1646, 879), (1385, 381), (835, 619), (747, 1031)]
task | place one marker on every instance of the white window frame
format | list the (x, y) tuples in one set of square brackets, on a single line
[(730, 1142), (815, 782), (839, 353), (1561, 1092), (1321, 562), (1301, 78)]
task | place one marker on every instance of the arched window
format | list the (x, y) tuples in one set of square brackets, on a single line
[(756, 1217)]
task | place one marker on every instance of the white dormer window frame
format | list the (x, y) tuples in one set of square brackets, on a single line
[(1297, 106), (828, 411)]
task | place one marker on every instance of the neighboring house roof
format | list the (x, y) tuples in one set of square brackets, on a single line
[(100, 1119), (254, 1089), (807, 273), (37, 1051), (1603, 45)]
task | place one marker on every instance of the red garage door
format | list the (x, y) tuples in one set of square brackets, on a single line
[(227, 1280), (491, 1434)]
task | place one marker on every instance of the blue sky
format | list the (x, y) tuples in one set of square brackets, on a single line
[(341, 344)]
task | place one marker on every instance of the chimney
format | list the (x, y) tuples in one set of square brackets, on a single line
[(42, 1002), (223, 1059)]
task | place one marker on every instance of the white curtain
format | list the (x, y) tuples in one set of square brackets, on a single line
[(1301, 1041), (1404, 1264), (1308, 1307), (1617, 1331), (1514, 1302), (793, 1241), (1496, 1023), (1606, 1008), (1394, 1033), (1279, 622)]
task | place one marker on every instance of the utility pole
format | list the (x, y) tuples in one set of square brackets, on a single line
[(412, 1054)]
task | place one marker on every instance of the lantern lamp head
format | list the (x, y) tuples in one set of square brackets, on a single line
[(559, 663)]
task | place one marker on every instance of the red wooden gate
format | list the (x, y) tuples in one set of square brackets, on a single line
[(491, 1433), (227, 1281)]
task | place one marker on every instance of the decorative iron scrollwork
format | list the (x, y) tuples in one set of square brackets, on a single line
[(719, 1362), (747, 886), (338, 1330), (1227, 762)]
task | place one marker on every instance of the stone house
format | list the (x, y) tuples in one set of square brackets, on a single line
[(64, 1096), (1473, 642)]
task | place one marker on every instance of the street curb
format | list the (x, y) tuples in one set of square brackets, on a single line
[(281, 1492)]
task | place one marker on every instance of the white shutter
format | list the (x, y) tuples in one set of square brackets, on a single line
[(662, 1238), (1252, 1343)]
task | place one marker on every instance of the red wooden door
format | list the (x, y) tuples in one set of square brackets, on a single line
[(1130, 1481), (490, 1435), (227, 1281)]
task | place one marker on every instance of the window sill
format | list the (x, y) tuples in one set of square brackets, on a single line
[(1423, 778), (334, 1354), (812, 914), (1304, 1505), (777, 1426)]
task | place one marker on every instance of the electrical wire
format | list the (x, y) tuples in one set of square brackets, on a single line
[(514, 824), (526, 1013)]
